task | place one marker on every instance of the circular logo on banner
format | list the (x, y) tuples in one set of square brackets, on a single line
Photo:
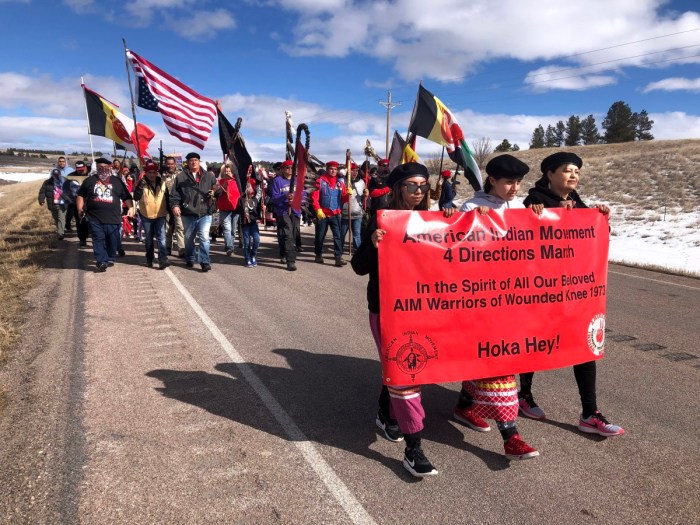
[(596, 334), (412, 357)]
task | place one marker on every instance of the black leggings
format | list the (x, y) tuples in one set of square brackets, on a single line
[(585, 379)]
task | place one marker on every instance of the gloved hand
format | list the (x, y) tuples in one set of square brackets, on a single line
[(350, 192), (320, 215)]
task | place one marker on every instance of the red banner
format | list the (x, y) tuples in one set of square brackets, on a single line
[(475, 296)]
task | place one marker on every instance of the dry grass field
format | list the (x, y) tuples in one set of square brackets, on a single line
[(26, 238)]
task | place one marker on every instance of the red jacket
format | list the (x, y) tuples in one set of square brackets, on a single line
[(324, 182)]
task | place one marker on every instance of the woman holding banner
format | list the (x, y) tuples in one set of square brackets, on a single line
[(496, 397), (557, 188), (410, 190)]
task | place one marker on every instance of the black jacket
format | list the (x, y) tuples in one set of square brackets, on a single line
[(46, 192), (366, 261), (541, 194), (191, 197)]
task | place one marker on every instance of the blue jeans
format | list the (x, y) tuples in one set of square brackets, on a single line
[(197, 227), (322, 228), (251, 240), (155, 228), (105, 240), (356, 223), (229, 223)]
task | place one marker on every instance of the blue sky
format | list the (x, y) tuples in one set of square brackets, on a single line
[(502, 67)]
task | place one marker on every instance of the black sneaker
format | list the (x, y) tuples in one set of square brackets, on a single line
[(83, 243), (190, 264), (206, 267), (391, 430), (319, 259), (149, 264), (121, 253), (110, 263), (417, 464), (291, 267), (163, 265), (102, 267)]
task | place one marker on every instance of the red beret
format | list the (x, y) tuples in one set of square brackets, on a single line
[(383, 162), (354, 166), (287, 163), (331, 164), (446, 173), (150, 166)]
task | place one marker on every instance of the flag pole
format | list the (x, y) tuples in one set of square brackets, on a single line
[(139, 153), (87, 118)]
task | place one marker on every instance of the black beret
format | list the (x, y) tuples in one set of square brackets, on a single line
[(193, 155), (276, 165), (405, 171), (102, 160), (506, 167), (557, 159)]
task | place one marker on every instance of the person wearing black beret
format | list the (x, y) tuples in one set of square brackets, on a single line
[(505, 173), (401, 411), (557, 188)]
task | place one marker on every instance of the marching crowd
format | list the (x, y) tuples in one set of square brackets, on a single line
[(177, 206)]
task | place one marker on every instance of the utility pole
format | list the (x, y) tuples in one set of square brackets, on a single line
[(388, 105)]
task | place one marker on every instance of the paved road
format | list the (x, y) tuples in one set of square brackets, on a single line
[(248, 396)]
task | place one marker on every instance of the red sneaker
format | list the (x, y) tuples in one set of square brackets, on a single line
[(516, 448), (469, 418)]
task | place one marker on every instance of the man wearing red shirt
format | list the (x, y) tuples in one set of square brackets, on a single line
[(327, 201)]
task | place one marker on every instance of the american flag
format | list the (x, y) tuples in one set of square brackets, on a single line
[(188, 115)]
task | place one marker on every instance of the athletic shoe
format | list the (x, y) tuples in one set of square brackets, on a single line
[(391, 430), (229, 252), (319, 259), (529, 408), (469, 418), (190, 264), (416, 463), (249, 264), (149, 264), (102, 267), (110, 263), (254, 261), (163, 265), (206, 267), (340, 262), (597, 424), (121, 253), (516, 448), (291, 267), (283, 260)]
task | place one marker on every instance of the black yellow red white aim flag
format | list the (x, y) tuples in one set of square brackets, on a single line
[(104, 120)]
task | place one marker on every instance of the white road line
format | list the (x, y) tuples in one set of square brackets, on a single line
[(333, 483), (655, 280)]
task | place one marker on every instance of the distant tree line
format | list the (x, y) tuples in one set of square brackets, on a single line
[(620, 125), (41, 153)]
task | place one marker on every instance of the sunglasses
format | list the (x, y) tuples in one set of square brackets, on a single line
[(413, 187)]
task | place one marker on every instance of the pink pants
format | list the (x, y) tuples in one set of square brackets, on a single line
[(406, 406)]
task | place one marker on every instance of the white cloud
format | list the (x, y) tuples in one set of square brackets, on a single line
[(450, 38), (675, 125), (202, 25), (558, 77), (674, 84)]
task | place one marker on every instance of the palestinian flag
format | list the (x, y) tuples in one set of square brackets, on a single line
[(105, 121), (432, 120)]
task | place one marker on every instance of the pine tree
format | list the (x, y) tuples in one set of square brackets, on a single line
[(589, 131), (573, 131), (619, 124), (537, 140), (643, 126), (503, 146), (550, 140), (559, 133)]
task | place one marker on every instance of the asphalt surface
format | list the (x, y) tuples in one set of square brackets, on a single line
[(249, 395)]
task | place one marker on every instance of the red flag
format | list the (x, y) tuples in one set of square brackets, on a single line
[(188, 115), (301, 177)]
